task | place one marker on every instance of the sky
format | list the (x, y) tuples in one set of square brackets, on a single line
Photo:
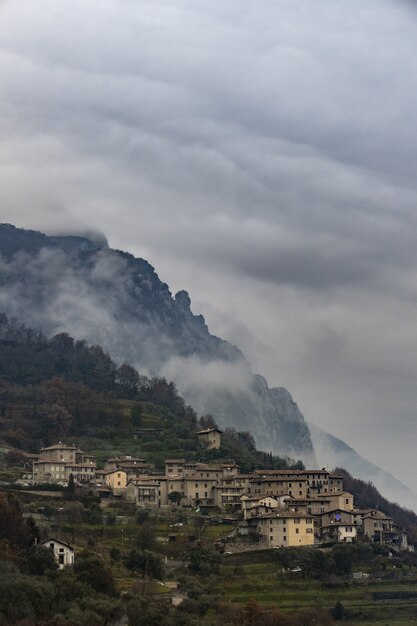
[(261, 156)]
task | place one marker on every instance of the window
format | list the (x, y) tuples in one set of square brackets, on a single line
[(309, 531), (296, 520), (271, 539), (297, 531)]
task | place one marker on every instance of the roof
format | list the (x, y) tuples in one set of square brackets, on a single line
[(174, 461), (115, 471), (126, 459), (86, 464), (55, 540), (377, 515), (60, 446), (50, 462), (284, 515), (279, 474), (338, 524), (144, 483), (335, 510), (336, 495), (206, 431)]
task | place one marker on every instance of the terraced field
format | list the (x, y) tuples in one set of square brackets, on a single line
[(270, 586)]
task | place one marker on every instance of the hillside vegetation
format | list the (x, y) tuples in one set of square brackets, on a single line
[(62, 388)]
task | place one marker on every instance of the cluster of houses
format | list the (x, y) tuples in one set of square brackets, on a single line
[(279, 507)]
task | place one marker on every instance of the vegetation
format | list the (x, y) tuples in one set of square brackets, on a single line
[(367, 496), (61, 388)]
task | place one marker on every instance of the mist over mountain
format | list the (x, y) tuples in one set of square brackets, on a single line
[(79, 285)]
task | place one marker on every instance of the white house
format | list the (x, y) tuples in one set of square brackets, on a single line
[(63, 552)]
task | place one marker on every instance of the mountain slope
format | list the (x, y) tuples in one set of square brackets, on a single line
[(109, 297), (335, 452)]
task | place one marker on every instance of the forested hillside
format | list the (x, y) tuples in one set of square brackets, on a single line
[(367, 496), (60, 388)]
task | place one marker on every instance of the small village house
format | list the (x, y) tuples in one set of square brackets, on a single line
[(210, 438), (63, 552)]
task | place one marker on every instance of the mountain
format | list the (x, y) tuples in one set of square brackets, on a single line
[(81, 286), (335, 452)]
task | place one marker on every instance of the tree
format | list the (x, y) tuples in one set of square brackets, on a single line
[(39, 560), (207, 421), (175, 497), (70, 490), (204, 559), (145, 538), (13, 527), (128, 379), (72, 514), (92, 570), (136, 415), (142, 516), (338, 612), (146, 563), (148, 612)]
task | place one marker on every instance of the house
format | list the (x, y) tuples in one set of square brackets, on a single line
[(81, 472), (253, 507), (279, 483), (378, 527), (284, 529), (117, 481), (174, 467), (339, 531), (49, 471), (210, 438), (118, 461), (59, 452), (322, 482), (336, 516), (145, 493), (63, 552), (56, 463), (343, 500)]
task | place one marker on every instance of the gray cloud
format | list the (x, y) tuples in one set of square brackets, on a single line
[(260, 155)]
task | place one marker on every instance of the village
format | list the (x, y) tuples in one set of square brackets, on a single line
[(268, 508)]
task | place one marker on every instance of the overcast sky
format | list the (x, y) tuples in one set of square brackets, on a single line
[(261, 155)]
